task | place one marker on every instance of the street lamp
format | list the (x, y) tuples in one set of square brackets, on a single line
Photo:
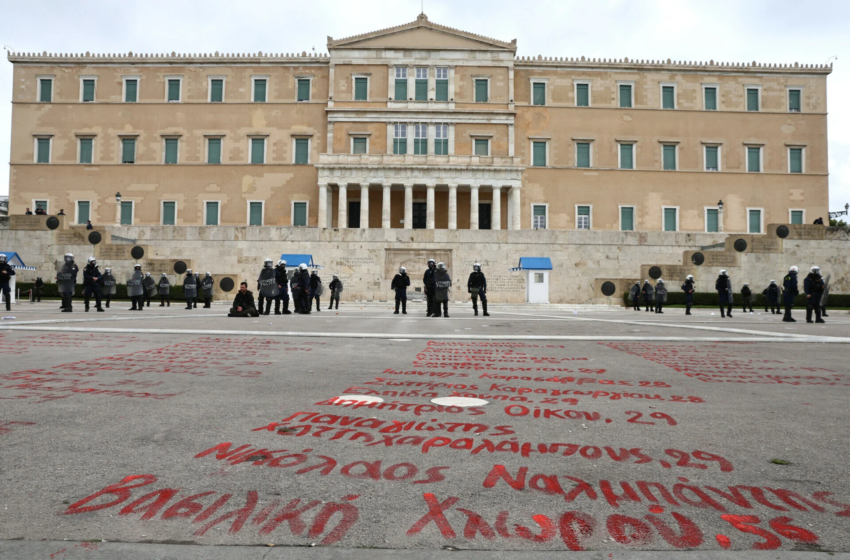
[(840, 213), (720, 215), (117, 208)]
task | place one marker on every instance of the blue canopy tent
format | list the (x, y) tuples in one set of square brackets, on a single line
[(534, 263), (293, 260), (536, 278)]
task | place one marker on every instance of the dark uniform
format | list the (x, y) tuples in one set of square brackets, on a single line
[(813, 286), (38, 288), (747, 297), (660, 296), (190, 289), (771, 298), (400, 283), (109, 287), (150, 288), (724, 293), (267, 287), (92, 282), (304, 289), (316, 289), (208, 287), (164, 287), (283, 295), (6, 273), (136, 290), (336, 288), (477, 286), (294, 282), (688, 288), (648, 293), (789, 292), (442, 290), (66, 280), (197, 290), (634, 296), (430, 288)]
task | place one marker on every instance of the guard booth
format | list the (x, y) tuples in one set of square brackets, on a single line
[(13, 259), (536, 271), (292, 262)]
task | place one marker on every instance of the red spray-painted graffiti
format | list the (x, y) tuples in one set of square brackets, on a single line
[(7, 427)]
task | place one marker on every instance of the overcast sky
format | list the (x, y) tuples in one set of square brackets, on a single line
[(736, 31)]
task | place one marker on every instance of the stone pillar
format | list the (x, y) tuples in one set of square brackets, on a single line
[(429, 212), (364, 205), (408, 206), (385, 210), (496, 209), (452, 206), (323, 205), (342, 213), (473, 207), (117, 213), (515, 222)]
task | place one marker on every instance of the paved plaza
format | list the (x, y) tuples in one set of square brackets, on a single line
[(619, 433)]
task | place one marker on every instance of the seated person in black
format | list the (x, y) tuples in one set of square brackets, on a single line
[(243, 303)]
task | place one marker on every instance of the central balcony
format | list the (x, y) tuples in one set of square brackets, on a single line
[(408, 160)]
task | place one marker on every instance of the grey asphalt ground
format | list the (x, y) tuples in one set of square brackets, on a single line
[(623, 434)]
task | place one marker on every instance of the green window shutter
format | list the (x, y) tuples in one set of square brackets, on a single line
[(359, 146), (258, 149), (212, 213), (169, 213), (481, 93), (131, 91), (83, 211), (625, 95), (303, 90), (669, 158), (539, 97), (711, 220), (46, 91), (753, 159), (400, 146), (627, 160), (710, 99), (299, 210), (401, 90), (793, 100), (361, 89), (711, 158), (128, 150), (668, 97), (796, 216), (174, 90), (302, 151), (420, 146), (582, 95), (171, 150), (259, 91), (88, 91), (126, 213), (255, 212), (421, 90), (627, 219), (584, 210), (796, 155), (442, 90), (85, 150), (669, 219), (441, 147), (583, 154), (752, 100), (539, 159), (755, 221), (216, 91), (43, 150), (481, 147), (214, 150)]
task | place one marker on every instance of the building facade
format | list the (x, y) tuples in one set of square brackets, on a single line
[(419, 126)]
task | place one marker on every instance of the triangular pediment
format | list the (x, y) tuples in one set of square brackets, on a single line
[(421, 34)]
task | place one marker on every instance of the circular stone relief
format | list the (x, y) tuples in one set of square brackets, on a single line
[(94, 237), (52, 222), (740, 245), (137, 252), (781, 232), (655, 273), (459, 401), (226, 284), (697, 258), (608, 288), (180, 267)]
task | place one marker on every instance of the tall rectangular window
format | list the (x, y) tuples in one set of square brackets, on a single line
[(627, 218), (400, 138), (752, 99), (710, 94), (668, 97), (303, 89), (173, 89), (754, 221), (128, 150), (258, 150), (361, 89), (711, 220), (169, 213), (260, 90), (359, 145), (583, 217), (86, 145), (482, 147), (795, 160), (217, 90), (302, 151), (796, 216), (401, 83), (582, 95), (754, 159), (83, 211), (442, 84), (46, 90), (627, 156), (539, 154), (538, 93), (711, 159), (421, 93), (482, 95), (625, 95), (441, 140), (583, 154), (171, 147), (212, 209), (299, 214), (131, 90), (794, 100), (43, 150), (538, 216), (40, 205), (214, 150), (255, 213), (126, 212), (669, 157), (671, 219), (88, 90), (420, 139)]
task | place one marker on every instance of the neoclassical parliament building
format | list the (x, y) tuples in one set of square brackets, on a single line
[(418, 126)]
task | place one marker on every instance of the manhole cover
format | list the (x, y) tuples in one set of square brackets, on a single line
[(608, 288), (52, 222), (94, 237), (226, 284), (137, 252), (697, 258), (180, 267), (655, 273), (781, 232), (740, 245)]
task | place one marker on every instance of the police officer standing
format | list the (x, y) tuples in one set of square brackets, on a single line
[(150, 288), (660, 295), (294, 282), (267, 287), (66, 280), (336, 288), (109, 287), (648, 295), (135, 289), (442, 290), (38, 287), (6, 273), (430, 288), (477, 286), (400, 283), (688, 288), (771, 297), (208, 287), (197, 290), (304, 288), (283, 288), (814, 286), (747, 297), (316, 290), (789, 292), (164, 287), (724, 293), (92, 281), (634, 296), (190, 288)]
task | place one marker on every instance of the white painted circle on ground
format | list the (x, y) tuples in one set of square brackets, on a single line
[(459, 401), (359, 398)]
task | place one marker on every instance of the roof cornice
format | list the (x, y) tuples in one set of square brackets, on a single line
[(172, 58), (671, 65)]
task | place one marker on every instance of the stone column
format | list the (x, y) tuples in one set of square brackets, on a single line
[(323, 205), (364, 205), (117, 212), (408, 206), (473, 206), (496, 209), (342, 213), (385, 210), (452, 206), (517, 211), (429, 212)]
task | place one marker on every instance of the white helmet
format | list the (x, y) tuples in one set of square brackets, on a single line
[(637, 282), (209, 274), (816, 269), (268, 263), (137, 265), (335, 276), (164, 275), (773, 281), (2, 257), (91, 260), (722, 273), (147, 274), (432, 261), (69, 258), (646, 281), (108, 269), (281, 262), (746, 283), (793, 269), (441, 265), (401, 269), (302, 266), (189, 271), (689, 277), (476, 267), (660, 281)]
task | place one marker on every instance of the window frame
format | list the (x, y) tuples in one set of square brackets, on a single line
[(124, 79), (475, 80), (675, 86), (716, 88), (218, 212), (675, 156), (448, 82), (223, 88), (262, 212), (788, 90), (396, 79), (417, 79), (747, 88), (705, 210), (35, 139), (165, 139), (121, 139), (589, 153), (207, 139), (309, 139), (449, 145), (397, 127), (39, 78), (475, 140), (545, 205), (790, 213), (747, 157), (705, 147), (588, 83), (80, 139), (545, 83), (132, 212), (426, 138), (620, 145), (802, 159), (292, 204), (531, 142), (168, 80), (264, 138), (359, 136), (589, 217), (267, 79), (761, 219), (631, 84), (298, 80), (77, 211), (354, 78), (46, 204), (82, 88), (678, 213), (162, 212), (634, 216)]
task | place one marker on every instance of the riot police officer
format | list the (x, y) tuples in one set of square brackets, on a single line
[(477, 286), (688, 288), (92, 281), (814, 286), (149, 284), (747, 297), (634, 296), (428, 280), (190, 288), (283, 287), (197, 290), (660, 295), (771, 298), (648, 293), (316, 290), (267, 287), (400, 283), (135, 289), (109, 286), (164, 287), (442, 290), (723, 285), (208, 287), (6, 273), (66, 280), (789, 292), (336, 288), (304, 288)]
